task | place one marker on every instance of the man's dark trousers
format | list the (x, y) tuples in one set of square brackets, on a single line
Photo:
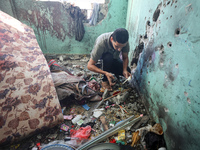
[(112, 65)]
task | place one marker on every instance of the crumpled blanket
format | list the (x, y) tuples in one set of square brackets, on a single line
[(73, 88), (64, 84)]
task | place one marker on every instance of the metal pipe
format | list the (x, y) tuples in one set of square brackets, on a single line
[(122, 125)]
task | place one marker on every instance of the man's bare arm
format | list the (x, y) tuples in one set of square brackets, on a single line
[(125, 64), (91, 66)]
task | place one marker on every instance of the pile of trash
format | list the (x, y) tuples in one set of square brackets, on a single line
[(95, 118)]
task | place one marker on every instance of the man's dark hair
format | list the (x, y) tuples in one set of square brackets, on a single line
[(120, 35)]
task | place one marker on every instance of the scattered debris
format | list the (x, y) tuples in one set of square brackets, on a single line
[(118, 118)]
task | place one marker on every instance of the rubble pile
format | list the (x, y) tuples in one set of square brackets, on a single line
[(103, 120)]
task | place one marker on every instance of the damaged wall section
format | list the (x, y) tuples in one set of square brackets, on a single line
[(167, 73), (53, 25)]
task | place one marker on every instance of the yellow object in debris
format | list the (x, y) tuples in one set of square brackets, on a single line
[(120, 89), (135, 138), (121, 135), (102, 90), (15, 146)]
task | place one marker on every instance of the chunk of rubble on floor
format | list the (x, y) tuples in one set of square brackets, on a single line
[(95, 118)]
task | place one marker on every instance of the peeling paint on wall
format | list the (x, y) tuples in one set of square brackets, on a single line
[(54, 27), (42, 19)]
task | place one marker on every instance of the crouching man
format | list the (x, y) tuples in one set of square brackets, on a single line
[(112, 48)]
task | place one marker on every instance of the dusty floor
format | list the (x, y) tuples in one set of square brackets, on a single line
[(112, 113)]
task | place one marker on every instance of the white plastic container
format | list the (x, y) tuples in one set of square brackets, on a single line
[(76, 119)]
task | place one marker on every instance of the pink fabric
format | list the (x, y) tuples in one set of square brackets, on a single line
[(28, 99), (94, 85)]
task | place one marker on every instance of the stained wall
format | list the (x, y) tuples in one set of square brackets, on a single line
[(168, 73), (163, 34), (54, 27)]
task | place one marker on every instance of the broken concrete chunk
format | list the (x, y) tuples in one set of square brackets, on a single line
[(61, 58)]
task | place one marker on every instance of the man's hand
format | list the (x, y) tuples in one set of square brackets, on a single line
[(91, 66), (110, 77), (126, 74)]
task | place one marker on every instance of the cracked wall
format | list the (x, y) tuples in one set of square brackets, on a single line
[(164, 38)]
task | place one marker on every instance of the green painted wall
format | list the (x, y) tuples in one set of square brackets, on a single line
[(6, 7), (168, 73), (53, 25)]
